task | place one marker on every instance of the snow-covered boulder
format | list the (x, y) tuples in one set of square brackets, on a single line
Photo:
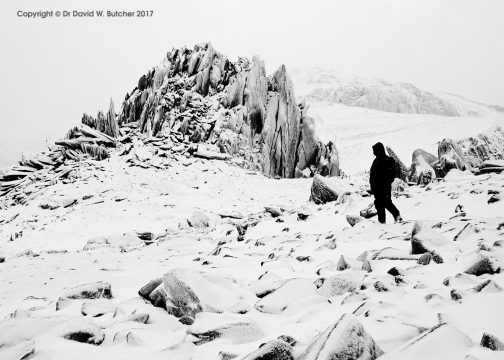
[(481, 264), (323, 191), (239, 331), (348, 281), (84, 332), (187, 292), (274, 350), (424, 239), (290, 291), (441, 342), (345, 339)]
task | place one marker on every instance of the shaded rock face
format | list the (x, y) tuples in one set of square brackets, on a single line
[(233, 105), (491, 342), (401, 169), (346, 339), (322, 191)]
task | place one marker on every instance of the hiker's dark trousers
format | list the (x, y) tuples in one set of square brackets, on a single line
[(384, 201)]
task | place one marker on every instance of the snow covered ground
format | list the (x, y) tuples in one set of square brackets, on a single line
[(293, 275)]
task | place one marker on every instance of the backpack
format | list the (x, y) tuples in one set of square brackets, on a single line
[(390, 170)]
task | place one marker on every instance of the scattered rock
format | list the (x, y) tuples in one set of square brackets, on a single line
[(455, 295), (366, 266), (353, 219), (380, 286), (491, 342), (275, 212), (303, 213), (395, 271), (494, 198), (223, 355), (186, 320), (288, 339), (342, 264), (425, 259)]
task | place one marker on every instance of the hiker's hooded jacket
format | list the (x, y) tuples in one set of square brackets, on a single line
[(382, 172)]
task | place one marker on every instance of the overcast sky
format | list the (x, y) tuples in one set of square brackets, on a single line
[(54, 69)]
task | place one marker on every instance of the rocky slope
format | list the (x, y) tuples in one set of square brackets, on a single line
[(210, 261), (320, 85), (175, 230)]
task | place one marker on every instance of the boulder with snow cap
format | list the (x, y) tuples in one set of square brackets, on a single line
[(424, 239), (289, 292), (237, 332), (441, 342), (273, 350), (347, 281), (346, 339)]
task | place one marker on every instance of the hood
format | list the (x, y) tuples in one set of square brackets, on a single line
[(379, 150)]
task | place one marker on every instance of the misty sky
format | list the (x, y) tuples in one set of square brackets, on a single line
[(53, 70)]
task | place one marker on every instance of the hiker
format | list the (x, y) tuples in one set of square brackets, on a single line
[(381, 176)]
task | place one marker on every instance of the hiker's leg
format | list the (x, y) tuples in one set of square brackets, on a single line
[(380, 208), (389, 205)]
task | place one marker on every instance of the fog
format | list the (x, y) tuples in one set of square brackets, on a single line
[(55, 69)]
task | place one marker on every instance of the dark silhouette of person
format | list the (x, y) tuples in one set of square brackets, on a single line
[(381, 176)]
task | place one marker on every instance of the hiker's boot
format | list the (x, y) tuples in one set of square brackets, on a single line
[(398, 219)]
